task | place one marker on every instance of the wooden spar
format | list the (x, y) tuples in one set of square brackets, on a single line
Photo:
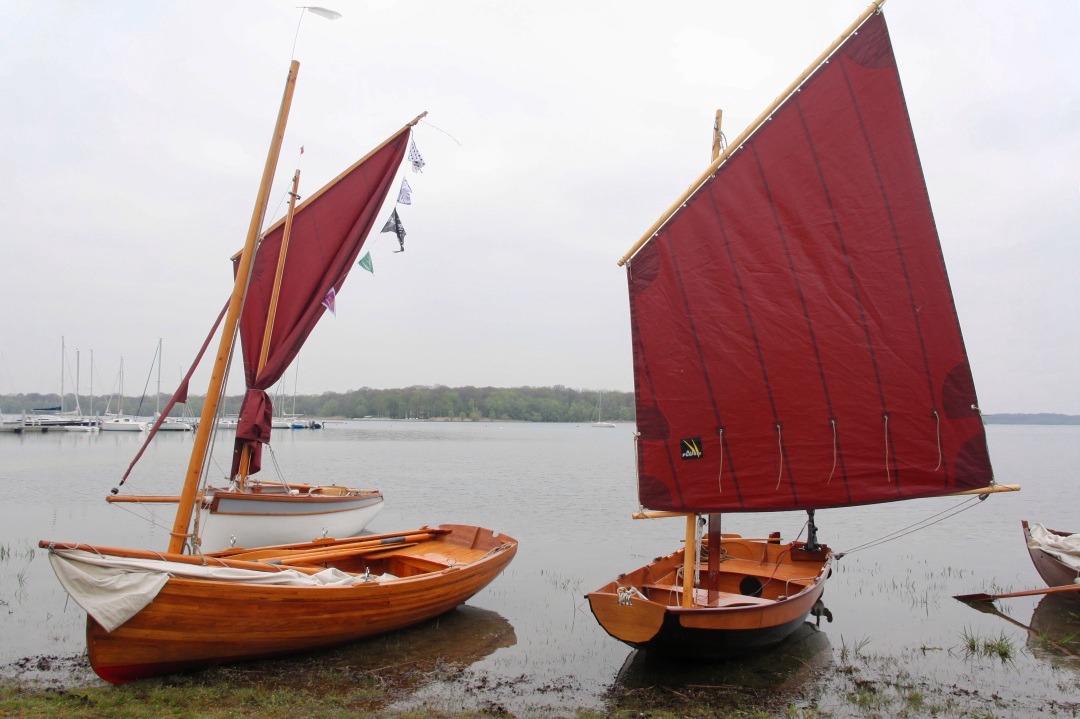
[(647, 514), (185, 507), (875, 5), (716, 135), (1025, 593), (362, 160), (991, 489), (144, 498), (271, 312), (168, 557), (689, 567)]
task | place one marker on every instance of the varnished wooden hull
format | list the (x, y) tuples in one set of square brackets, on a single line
[(726, 623), (194, 623), (1053, 571)]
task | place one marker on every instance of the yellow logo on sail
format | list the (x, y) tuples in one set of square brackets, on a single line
[(690, 448)]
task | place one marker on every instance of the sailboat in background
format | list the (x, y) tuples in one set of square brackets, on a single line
[(151, 612), (600, 413), (796, 347), (120, 422), (169, 424), (82, 423)]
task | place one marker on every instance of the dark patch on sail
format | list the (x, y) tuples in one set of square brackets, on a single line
[(644, 267), (651, 423), (958, 392), (973, 464), (871, 46), (653, 493)]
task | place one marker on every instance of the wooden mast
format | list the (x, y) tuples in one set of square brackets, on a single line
[(875, 5), (271, 313), (716, 135), (690, 545), (181, 525)]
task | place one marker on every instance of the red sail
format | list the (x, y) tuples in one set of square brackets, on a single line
[(328, 230), (795, 339)]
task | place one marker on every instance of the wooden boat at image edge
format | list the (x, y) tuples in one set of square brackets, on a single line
[(1054, 571), (765, 591), (199, 622)]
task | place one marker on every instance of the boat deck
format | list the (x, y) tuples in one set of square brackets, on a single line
[(701, 597)]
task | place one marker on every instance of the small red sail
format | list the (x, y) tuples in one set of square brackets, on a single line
[(328, 230), (795, 340)]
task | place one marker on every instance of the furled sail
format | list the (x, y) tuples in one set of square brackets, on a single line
[(795, 340), (328, 230)]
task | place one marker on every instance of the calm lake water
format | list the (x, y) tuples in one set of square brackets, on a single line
[(566, 492)]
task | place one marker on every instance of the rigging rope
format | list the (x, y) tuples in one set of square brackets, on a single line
[(780, 442), (937, 419), (835, 454), (917, 526), (888, 470), (720, 474)]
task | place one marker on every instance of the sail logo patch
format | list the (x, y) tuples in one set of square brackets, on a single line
[(690, 448)]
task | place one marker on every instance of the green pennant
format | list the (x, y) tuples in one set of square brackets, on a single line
[(366, 263)]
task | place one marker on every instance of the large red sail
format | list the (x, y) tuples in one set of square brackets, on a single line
[(795, 339), (328, 231)]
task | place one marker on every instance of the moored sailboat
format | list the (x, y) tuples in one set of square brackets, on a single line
[(151, 612), (796, 347), (600, 413), (120, 422), (299, 260)]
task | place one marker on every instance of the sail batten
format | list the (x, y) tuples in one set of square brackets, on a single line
[(794, 328)]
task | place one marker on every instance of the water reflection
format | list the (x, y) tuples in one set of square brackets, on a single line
[(788, 665), (1055, 629)]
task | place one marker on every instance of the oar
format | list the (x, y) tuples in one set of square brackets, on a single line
[(1026, 593)]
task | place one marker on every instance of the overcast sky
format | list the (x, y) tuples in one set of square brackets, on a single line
[(135, 133)]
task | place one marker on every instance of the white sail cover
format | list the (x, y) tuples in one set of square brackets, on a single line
[(114, 589), (1065, 548)]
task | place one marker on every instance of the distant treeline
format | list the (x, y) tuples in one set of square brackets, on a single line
[(1043, 418), (526, 404)]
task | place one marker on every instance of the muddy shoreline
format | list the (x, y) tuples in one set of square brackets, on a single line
[(414, 675)]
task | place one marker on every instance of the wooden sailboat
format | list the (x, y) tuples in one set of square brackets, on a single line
[(796, 347), (151, 612), (298, 261), (1055, 554)]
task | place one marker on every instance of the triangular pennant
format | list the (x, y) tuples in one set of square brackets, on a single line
[(328, 302), (366, 263), (405, 194), (414, 157), (394, 225)]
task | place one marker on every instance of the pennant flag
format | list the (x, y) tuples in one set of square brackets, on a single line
[(301, 149), (366, 263), (328, 302), (404, 196), (414, 157), (394, 225)]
